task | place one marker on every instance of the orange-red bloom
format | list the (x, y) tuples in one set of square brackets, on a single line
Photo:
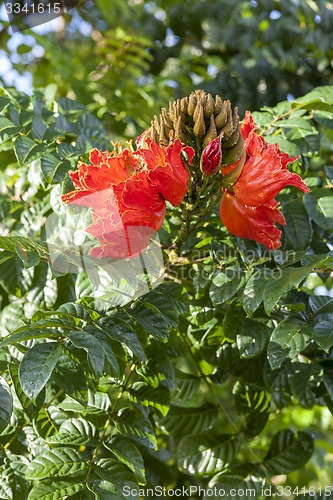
[(127, 193), (249, 210)]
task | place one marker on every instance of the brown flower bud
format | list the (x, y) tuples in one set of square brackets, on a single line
[(211, 134), (199, 128), (209, 106), (192, 102), (218, 105)]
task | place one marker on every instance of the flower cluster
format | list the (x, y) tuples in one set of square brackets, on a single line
[(127, 192), (248, 208)]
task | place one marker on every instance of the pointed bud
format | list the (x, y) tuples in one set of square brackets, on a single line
[(192, 102), (211, 157), (199, 128)]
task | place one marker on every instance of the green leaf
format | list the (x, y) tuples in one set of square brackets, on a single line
[(255, 289), (12, 242), (203, 454), (302, 378), (27, 150), (318, 98), (189, 420), (319, 205), (298, 123), (122, 331), (239, 477), (8, 129), (321, 304), (323, 334), (226, 284), (98, 349), (110, 476), (254, 405), (37, 366), (23, 334), (44, 425), (28, 406), (289, 338), (128, 454), (6, 404), (288, 452), (187, 386), (157, 397), (253, 338), (75, 432), (54, 169), (152, 319), (298, 228), (284, 280), (325, 118), (7, 483), (136, 426), (38, 128), (57, 462), (56, 490), (286, 146), (29, 259)]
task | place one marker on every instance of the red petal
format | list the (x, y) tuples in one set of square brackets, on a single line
[(253, 223), (248, 125), (171, 178), (264, 174)]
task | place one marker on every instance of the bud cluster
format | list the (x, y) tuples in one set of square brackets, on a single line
[(197, 120)]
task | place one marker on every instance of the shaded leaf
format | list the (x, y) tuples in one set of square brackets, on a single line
[(254, 406), (187, 420), (288, 452), (203, 454), (126, 451), (6, 404)]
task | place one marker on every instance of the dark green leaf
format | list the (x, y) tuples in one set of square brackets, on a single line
[(137, 427), (255, 289), (28, 150), (298, 228), (6, 404), (302, 378), (253, 338), (127, 453), (254, 406), (319, 205), (323, 334), (284, 280), (290, 337), (244, 477), (288, 452), (152, 319), (189, 420)]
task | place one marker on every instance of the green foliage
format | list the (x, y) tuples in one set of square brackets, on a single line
[(190, 384)]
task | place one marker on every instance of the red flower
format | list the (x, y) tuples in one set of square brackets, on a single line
[(249, 209), (127, 193)]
